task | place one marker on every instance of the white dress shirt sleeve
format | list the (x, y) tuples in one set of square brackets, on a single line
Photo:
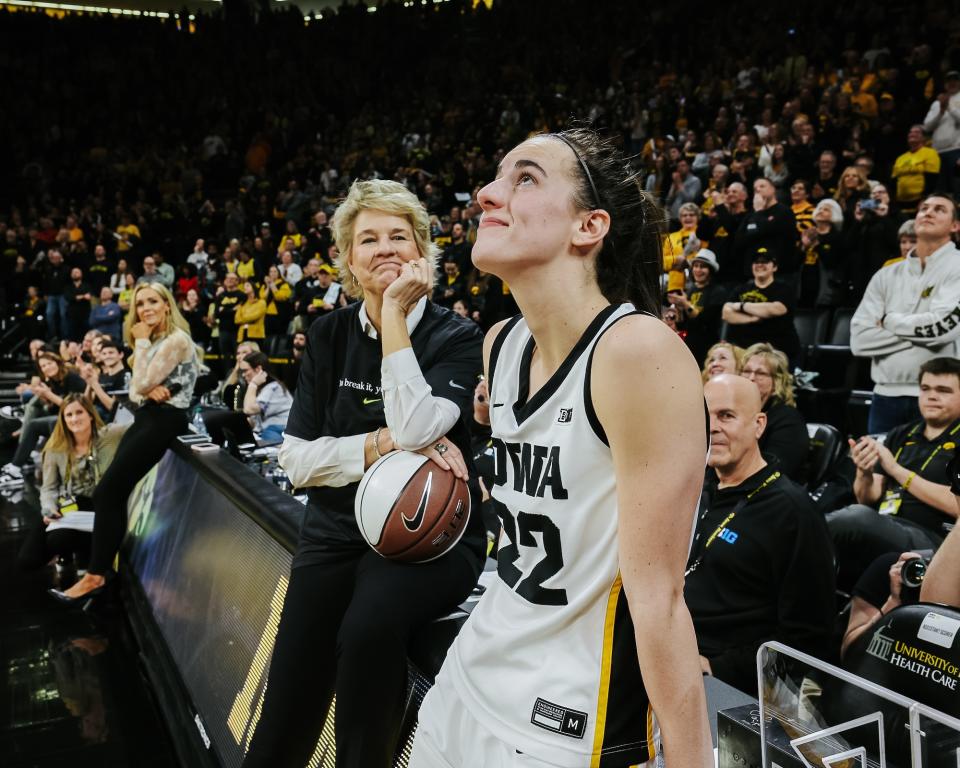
[(333, 461), (415, 417)]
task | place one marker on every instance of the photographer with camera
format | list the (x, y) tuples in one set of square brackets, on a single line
[(890, 581), (913, 577)]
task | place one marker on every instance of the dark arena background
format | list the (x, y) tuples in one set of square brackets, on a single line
[(805, 161)]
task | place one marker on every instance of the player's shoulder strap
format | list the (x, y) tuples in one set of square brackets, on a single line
[(592, 417), (497, 346)]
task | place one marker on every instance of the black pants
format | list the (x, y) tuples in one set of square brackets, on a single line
[(222, 424), (40, 547), (861, 534), (227, 344), (141, 446), (345, 628)]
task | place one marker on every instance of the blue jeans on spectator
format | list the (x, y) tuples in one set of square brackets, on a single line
[(888, 412), (30, 434), (57, 316), (272, 434)]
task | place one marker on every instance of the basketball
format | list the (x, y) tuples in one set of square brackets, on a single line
[(409, 509)]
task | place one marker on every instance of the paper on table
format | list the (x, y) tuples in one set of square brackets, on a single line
[(77, 521)]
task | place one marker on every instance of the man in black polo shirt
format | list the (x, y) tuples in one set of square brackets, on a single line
[(902, 494), (762, 309), (761, 566)]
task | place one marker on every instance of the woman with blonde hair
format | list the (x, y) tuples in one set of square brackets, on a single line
[(785, 437), (851, 189), (393, 371), (75, 457), (165, 367), (722, 357)]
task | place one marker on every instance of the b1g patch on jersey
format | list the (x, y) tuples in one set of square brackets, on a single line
[(566, 416), (568, 722)]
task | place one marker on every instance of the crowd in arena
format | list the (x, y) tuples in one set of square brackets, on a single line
[(812, 167)]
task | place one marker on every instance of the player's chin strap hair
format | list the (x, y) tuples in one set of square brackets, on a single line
[(583, 164)]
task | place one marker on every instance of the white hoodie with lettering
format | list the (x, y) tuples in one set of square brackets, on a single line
[(909, 315)]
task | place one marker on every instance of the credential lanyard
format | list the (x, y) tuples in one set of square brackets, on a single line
[(738, 507)]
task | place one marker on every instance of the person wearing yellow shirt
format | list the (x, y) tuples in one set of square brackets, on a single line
[(680, 245), (74, 232), (864, 102), (247, 270), (915, 171), (276, 293), (127, 234), (250, 316)]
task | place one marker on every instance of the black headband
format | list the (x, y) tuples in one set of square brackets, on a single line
[(583, 164)]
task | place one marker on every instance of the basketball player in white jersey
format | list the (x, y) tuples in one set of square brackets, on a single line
[(582, 652)]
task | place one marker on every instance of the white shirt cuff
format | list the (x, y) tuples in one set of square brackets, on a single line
[(351, 454)]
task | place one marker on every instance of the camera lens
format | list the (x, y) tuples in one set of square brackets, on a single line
[(913, 571)]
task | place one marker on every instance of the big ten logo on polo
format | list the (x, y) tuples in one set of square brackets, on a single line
[(728, 536)]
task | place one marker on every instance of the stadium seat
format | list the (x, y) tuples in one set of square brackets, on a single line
[(840, 329), (825, 446), (811, 325)]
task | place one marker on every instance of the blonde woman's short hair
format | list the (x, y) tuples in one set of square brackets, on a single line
[(378, 195), (736, 351), (689, 208), (779, 367)]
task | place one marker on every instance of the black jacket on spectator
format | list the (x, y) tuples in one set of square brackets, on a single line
[(824, 275), (339, 394), (227, 303), (55, 279), (871, 242), (768, 575), (703, 331), (785, 440), (720, 231), (98, 275), (775, 229), (778, 331)]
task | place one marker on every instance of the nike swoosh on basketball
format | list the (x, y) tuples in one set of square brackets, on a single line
[(454, 384), (412, 524), (368, 401)]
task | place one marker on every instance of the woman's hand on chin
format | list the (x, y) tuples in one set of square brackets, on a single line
[(140, 330), (414, 282)]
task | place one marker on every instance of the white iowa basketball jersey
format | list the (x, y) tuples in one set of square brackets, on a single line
[(547, 661)]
